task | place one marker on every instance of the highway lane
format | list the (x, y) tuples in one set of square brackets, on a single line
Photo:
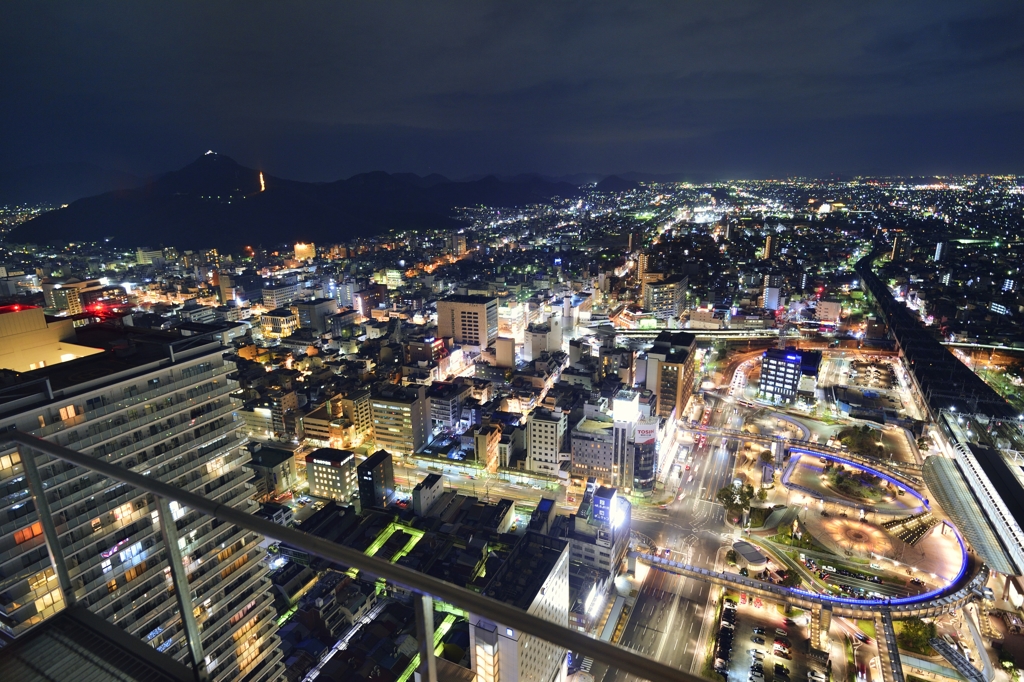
[(664, 624)]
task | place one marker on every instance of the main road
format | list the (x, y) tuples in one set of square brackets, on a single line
[(665, 623), (666, 620)]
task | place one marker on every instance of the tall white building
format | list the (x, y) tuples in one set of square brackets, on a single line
[(534, 578), (471, 320), (160, 405), (545, 432)]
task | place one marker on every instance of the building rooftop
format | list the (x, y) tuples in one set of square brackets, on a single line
[(268, 458), (331, 455), (428, 482), (374, 460), (475, 300), (520, 578), (279, 312)]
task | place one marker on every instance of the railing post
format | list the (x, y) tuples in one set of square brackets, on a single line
[(182, 593), (35, 484), (424, 607)]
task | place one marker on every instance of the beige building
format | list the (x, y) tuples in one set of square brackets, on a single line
[(401, 418), (470, 320), (305, 251), (28, 341)]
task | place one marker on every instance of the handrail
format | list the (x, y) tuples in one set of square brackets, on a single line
[(417, 582)]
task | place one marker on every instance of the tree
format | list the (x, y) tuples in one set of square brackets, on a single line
[(766, 457), (791, 579), (914, 635), (731, 556), (762, 495), (727, 498)]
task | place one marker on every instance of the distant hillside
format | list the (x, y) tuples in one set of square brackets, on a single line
[(613, 183), (216, 202), (60, 183)]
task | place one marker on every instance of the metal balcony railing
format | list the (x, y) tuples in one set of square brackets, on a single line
[(427, 588)]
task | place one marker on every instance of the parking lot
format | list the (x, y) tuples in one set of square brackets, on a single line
[(783, 643)]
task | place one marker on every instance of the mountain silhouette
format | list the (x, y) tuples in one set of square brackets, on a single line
[(613, 183), (216, 202)]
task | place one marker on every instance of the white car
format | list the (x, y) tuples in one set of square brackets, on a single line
[(757, 654)]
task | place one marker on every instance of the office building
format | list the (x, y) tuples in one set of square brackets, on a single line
[(314, 313), (401, 418), (592, 449), (787, 372), (279, 323), (305, 251), (545, 433), (279, 295), (376, 478), (534, 578), (332, 474), (543, 337), (273, 470), (667, 297), (670, 371), (598, 533), (902, 248), (162, 407), (771, 247), (470, 320), (446, 404)]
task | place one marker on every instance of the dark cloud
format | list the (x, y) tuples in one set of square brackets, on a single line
[(322, 90)]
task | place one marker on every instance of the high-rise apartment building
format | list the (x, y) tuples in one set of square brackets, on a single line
[(545, 431), (670, 370), (376, 478), (902, 248), (771, 247), (666, 298), (641, 265), (471, 320), (159, 404), (940, 251), (401, 418), (457, 244)]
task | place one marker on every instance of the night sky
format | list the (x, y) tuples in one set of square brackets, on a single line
[(323, 90)]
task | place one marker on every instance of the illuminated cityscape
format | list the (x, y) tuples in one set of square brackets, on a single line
[(474, 424)]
